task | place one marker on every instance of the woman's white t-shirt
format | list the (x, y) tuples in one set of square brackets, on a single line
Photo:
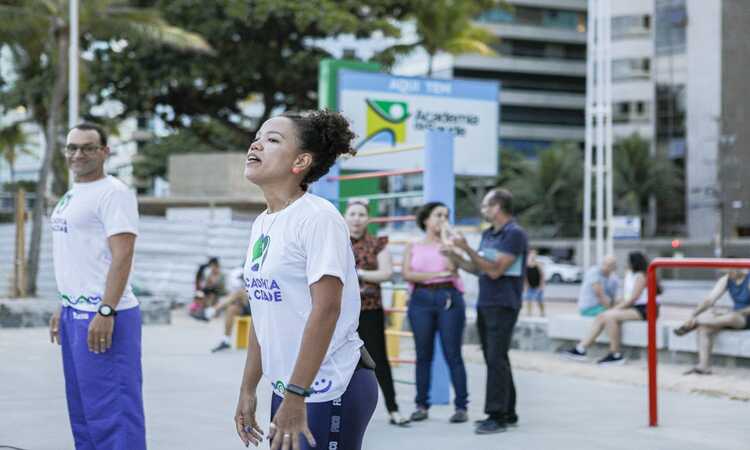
[(629, 287), (289, 251)]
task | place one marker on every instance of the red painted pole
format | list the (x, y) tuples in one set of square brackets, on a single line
[(651, 306), (387, 173), (701, 263)]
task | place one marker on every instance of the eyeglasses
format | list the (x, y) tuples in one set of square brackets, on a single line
[(87, 149)]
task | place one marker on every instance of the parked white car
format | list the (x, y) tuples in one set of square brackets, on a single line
[(560, 272)]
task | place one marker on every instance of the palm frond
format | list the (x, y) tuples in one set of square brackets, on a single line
[(147, 23)]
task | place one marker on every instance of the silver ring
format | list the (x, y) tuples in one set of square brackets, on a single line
[(287, 435), (102, 340)]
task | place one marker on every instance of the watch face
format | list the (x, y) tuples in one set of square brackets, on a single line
[(106, 310)]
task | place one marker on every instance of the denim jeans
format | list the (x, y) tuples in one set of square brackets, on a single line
[(444, 311)]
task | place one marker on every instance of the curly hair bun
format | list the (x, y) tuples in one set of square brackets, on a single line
[(325, 134), (334, 130)]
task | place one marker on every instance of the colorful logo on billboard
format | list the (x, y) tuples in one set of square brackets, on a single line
[(386, 122)]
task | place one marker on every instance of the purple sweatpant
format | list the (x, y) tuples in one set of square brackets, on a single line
[(105, 401), (340, 424)]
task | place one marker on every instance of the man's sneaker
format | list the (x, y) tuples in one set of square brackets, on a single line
[(481, 421), (460, 416), (510, 420), (613, 359), (223, 345), (574, 354), (490, 426), (419, 415)]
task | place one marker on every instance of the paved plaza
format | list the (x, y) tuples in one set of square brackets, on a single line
[(190, 398)]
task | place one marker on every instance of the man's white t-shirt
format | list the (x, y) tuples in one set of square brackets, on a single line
[(289, 251), (84, 218)]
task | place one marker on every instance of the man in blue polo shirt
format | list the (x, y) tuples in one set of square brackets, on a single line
[(500, 263)]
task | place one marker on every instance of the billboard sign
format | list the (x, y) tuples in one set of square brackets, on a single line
[(387, 111)]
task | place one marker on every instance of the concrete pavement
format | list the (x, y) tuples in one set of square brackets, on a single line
[(190, 397)]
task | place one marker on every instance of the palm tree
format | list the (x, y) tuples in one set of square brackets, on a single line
[(638, 175), (36, 32), (547, 192), (446, 25), (13, 142)]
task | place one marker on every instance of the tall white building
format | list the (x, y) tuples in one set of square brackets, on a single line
[(677, 69), (541, 65)]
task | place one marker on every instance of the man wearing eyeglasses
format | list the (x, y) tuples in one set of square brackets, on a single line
[(99, 323)]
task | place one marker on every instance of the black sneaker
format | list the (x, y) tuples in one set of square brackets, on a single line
[(510, 420), (460, 416), (198, 315), (490, 426), (419, 415), (222, 346), (612, 359), (574, 354), (481, 421)]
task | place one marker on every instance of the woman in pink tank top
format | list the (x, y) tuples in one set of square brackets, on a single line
[(436, 306)]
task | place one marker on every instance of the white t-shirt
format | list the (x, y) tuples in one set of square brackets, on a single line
[(629, 287), (237, 279), (289, 251), (81, 222)]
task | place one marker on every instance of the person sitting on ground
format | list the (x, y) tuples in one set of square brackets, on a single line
[(632, 307), (213, 282), (736, 283), (534, 283), (235, 304), (209, 284), (599, 288)]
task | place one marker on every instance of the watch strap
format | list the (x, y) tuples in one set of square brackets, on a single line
[(111, 314), (298, 390)]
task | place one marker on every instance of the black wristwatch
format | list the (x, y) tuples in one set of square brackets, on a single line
[(298, 390), (106, 311)]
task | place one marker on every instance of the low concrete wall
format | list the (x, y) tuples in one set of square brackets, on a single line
[(21, 313), (532, 334)]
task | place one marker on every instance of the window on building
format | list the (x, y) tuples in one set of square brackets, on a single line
[(621, 112), (538, 49), (542, 116), (631, 69), (624, 27), (670, 27), (527, 81), (670, 111), (537, 17)]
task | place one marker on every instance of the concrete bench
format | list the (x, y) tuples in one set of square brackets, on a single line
[(734, 343), (573, 327)]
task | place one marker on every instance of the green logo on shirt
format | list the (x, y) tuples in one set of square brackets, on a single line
[(260, 250), (63, 203)]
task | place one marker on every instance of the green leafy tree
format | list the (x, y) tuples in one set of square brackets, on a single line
[(447, 26), (266, 60), (547, 191), (638, 176), (36, 32), (13, 142)]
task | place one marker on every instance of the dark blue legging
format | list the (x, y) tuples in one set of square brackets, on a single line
[(340, 424)]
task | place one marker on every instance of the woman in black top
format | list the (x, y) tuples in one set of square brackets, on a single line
[(534, 283)]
